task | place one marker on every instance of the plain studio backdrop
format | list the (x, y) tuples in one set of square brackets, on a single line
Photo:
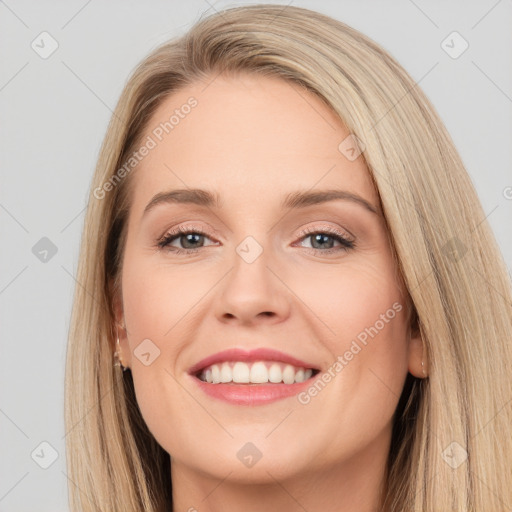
[(63, 66)]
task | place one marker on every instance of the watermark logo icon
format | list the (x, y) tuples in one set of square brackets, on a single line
[(351, 147), (249, 455), (454, 455), (44, 45), (249, 249), (454, 45), (44, 455), (44, 250), (146, 352), (454, 249)]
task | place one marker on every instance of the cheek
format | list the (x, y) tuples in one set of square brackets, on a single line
[(159, 306), (156, 297), (352, 297), (363, 320)]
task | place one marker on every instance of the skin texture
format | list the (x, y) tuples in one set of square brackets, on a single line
[(253, 140)]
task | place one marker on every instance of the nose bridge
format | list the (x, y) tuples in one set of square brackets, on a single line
[(251, 287)]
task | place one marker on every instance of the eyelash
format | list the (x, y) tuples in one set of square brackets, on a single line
[(346, 244)]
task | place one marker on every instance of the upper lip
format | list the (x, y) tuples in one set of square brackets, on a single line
[(259, 354)]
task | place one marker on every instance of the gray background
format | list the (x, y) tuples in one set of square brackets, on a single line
[(54, 113)]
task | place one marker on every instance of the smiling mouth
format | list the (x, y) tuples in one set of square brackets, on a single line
[(256, 372)]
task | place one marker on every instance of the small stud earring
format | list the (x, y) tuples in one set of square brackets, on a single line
[(423, 368), (117, 356)]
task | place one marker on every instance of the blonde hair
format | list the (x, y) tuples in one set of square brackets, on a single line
[(445, 251)]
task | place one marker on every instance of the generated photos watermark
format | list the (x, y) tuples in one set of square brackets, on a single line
[(157, 135), (342, 361)]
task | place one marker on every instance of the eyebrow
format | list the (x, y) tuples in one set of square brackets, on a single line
[(294, 200)]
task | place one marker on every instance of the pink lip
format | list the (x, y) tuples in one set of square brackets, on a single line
[(250, 394), (259, 354)]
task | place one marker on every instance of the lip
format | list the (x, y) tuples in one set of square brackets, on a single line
[(250, 394)]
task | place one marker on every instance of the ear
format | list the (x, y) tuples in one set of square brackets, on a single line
[(120, 328), (416, 349)]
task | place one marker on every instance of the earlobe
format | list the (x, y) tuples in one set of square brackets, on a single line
[(122, 351), (418, 364)]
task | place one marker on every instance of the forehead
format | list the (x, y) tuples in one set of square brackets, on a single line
[(248, 135)]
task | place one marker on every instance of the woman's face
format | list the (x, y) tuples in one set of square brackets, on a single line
[(314, 280)]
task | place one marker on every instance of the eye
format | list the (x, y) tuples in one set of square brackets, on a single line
[(322, 240), (190, 238)]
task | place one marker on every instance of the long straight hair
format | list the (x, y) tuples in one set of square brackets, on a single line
[(445, 252)]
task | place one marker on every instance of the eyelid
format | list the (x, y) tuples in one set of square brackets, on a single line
[(213, 233), (190, 227), (344, 233)]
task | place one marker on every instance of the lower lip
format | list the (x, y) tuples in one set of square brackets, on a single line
[(252, 394)]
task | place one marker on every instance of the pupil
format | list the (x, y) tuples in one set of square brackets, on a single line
[(319, 237), (188, 240)]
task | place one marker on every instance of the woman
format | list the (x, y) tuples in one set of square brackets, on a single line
[(254, 368)]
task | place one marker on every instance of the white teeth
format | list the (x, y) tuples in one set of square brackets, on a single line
[(275, 374), (226, 374), (288, 374), (299, 376), (259, 372), (241, 373), (215, 374)]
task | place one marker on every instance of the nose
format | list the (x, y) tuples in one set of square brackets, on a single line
[(253, 293)]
